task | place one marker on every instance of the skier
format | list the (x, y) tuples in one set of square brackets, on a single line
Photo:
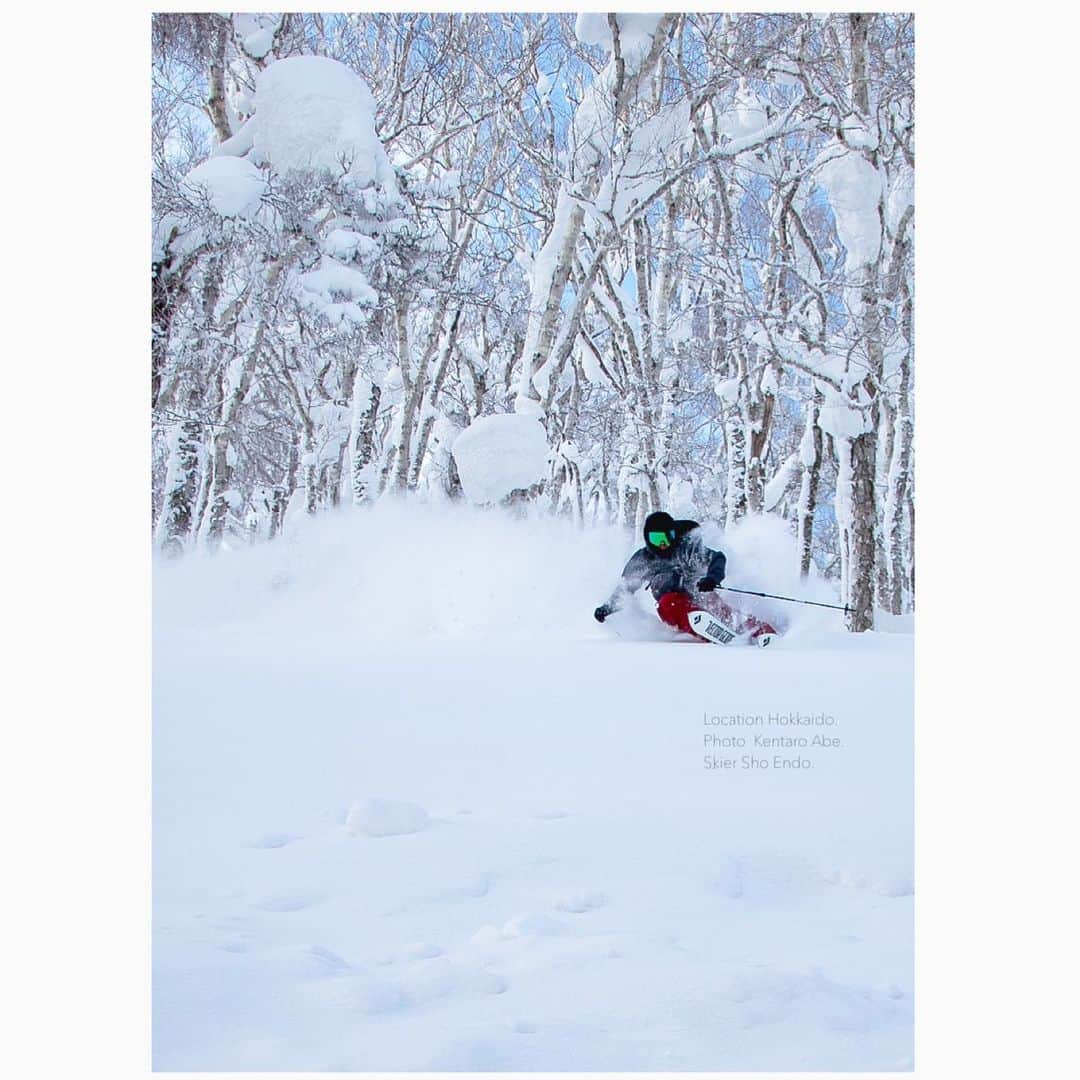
[(678, 567)]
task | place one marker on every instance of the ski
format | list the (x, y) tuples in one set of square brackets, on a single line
[(709, 626)]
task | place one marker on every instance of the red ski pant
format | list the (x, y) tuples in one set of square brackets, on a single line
[(674, 608)]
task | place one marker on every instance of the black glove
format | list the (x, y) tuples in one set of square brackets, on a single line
[(601, 613), (707, 584)]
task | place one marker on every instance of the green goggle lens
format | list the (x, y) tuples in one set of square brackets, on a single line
[(659, 539)]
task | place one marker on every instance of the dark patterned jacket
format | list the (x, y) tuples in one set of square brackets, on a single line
[(678, 569)]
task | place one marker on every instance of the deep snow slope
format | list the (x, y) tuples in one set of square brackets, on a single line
[(414, 809)]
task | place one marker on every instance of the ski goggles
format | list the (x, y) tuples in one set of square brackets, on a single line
[(660, 539)]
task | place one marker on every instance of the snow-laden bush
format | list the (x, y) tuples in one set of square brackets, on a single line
[(497, 455), (312, 112)]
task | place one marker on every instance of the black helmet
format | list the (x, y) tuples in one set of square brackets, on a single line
[(660, 532)]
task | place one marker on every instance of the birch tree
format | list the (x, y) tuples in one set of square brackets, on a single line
[(685, 242)]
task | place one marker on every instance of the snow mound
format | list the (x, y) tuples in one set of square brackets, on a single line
[(496, 455), (312, 112), (233, 186), (636, 30), (332, 278), (532, 925), (256, 32), (592, 28), (580, 902), (385, 817), (853, 186), (838, 419)]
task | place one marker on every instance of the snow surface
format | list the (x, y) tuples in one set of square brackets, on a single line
[(414, 809), (312, 112), (499, 454)]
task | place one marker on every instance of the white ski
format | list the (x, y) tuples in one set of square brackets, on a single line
[(719, 633), (709, 626)]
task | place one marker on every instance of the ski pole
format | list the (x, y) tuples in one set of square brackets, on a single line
[(794, 600)]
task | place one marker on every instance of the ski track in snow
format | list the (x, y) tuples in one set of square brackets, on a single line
[(445, 855)]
